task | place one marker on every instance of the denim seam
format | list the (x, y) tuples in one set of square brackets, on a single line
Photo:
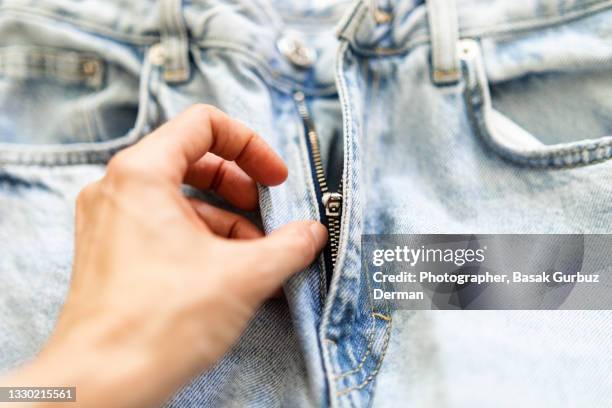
[(376, 369), (370, 341), (92, 80), (373, 316), (346, 191), (558, 156), (330, 354), (347, 108), (348, 23), (338, 302), (505, 29), (573, 13), (386, 317), (142, 40), (369, 344), (360, 14)]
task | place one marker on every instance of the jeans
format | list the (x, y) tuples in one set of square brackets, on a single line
[(441, 117)]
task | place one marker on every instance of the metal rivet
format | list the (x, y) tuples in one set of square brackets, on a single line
[(90, 67), (157, 55), (296, 51), (466, 47)]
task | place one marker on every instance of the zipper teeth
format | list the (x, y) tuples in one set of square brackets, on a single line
[(333, 222), (334, 237), (318, 162)]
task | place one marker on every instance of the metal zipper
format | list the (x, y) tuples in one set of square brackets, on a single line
[(330, 202)]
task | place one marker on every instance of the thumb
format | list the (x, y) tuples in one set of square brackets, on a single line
[(274, 258)]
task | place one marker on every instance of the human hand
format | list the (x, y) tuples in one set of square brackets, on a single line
[(163, 285)]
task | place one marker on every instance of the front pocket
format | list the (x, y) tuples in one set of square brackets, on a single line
[(558, 148), (68, 96), (50, 96)]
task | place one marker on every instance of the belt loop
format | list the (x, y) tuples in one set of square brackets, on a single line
[(444, 35), (175, 41)]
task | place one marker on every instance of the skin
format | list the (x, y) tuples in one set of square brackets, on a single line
[(162, 285)]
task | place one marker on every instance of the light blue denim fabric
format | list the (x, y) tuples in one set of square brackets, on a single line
[(519, 144), (410, 88)]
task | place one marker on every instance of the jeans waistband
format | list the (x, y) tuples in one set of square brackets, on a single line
[(378, 27), (138, 22), (386, 27)]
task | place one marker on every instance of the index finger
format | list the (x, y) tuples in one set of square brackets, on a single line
[(202, 128)]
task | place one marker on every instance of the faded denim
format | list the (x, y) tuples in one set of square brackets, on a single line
[(491, 117)]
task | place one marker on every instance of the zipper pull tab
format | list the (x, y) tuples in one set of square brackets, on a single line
[(332, 203)]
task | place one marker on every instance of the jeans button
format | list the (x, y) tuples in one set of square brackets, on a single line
[(296, 51)]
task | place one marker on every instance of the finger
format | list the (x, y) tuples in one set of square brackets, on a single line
[(225, 223), (225, 178), (202, 128), (278, 293), (273, 259), (230, 225)]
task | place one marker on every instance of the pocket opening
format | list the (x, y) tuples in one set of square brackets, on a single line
[(510, 140), (68, 70)]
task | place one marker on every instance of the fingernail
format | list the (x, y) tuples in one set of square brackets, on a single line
[(319, 232)]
